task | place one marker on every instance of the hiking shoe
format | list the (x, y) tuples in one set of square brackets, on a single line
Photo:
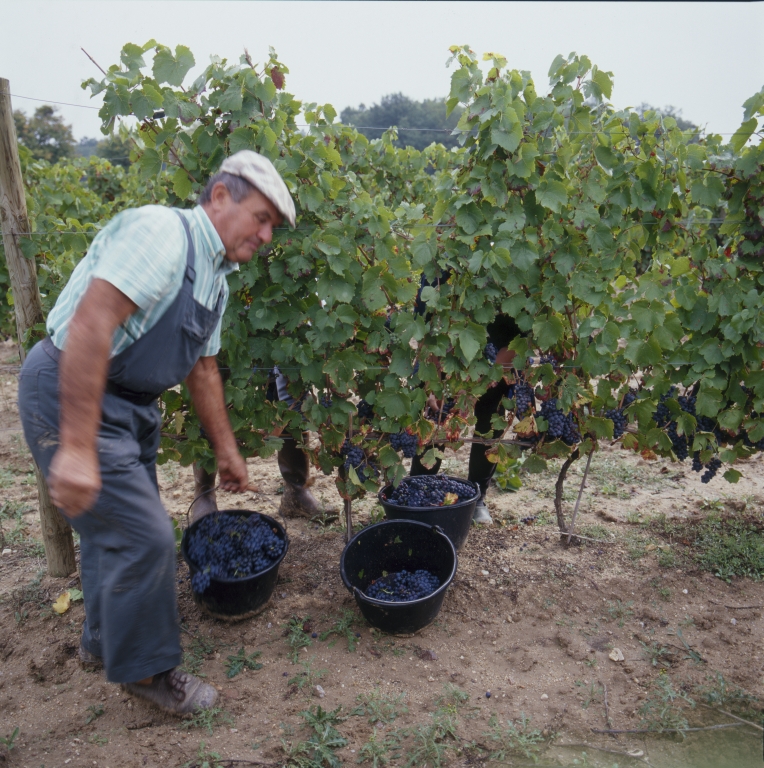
[(176, 692), (481, 515), (88, 660)]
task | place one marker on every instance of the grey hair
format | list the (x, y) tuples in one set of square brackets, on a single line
[(237, 187)]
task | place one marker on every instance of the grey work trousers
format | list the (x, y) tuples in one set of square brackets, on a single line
[(127, 544)]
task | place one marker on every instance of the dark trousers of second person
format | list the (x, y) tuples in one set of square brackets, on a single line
[(480, 468)]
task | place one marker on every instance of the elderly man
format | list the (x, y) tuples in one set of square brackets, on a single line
[(141, 313)]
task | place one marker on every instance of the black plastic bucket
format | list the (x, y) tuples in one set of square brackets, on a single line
[(454, 519), (392, 546), (236, 599)]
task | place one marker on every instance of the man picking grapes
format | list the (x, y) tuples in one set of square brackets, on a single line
[(140, 314)]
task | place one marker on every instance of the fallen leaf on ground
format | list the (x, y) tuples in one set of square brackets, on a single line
[(61, 605)]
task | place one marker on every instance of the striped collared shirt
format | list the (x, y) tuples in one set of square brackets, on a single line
[(142, 252)]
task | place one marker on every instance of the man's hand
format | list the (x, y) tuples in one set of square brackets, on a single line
[(233, 473), (206, 388), (74, 480)]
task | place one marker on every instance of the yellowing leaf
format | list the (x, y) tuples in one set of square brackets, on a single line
[(62, 604), (450, 498)]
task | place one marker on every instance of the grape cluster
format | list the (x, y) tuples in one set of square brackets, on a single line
[(227, 546), (403, 441), (548, 359), (617, 415), (403, 586), (712, 468), (355, 458), (490, 353), (524, 401), (448, 406), (560, 426), (415, 369), (662, 418), (365, 410), (326, 401), (429, 491)]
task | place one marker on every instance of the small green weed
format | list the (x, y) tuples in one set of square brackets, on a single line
[(730, 547), (94, 711), (195, 655), (379, 708), (378, 750), (296, 636), (208, 719), (308, 677), (205, 759), (717, 692), (620, 611), (430, 746), (10, 738), (664, 708), (343, 627), (656, 654), (98, 740), (513, 739), (594, 696), (319, 750), (239, 662)]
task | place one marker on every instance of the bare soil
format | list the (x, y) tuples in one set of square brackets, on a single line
[(526, 631)]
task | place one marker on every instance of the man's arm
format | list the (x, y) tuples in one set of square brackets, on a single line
[(206, 388), (75, 479)]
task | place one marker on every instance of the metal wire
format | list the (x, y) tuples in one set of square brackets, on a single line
[(361, 127)]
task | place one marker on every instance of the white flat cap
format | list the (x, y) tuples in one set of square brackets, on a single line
[(260, 172)]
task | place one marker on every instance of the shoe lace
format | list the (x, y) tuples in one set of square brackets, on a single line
[(176, 683)]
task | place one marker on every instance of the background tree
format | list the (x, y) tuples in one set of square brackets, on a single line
[(45, 134), (398, 110), (114, 147), (671, 111)]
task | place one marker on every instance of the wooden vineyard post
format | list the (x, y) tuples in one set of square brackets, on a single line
[(56, 533)]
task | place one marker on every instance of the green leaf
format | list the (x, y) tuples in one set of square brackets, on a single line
[(231, 100), (606, 158), (181, 184), (548, 331), (603, 81), (471, 339), (732, 475), (241, 138), (150, 163), (508, 140), (535, 464), (552, 195), (172, 69), (310, 197), (742, 134)]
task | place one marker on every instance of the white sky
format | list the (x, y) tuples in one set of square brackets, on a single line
[(703, 58)]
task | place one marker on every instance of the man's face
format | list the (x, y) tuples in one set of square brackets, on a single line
[(243, 227)]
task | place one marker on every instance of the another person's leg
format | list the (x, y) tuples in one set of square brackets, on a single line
[(480, 468)]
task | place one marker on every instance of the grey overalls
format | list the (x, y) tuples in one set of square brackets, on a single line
[(127, 546)]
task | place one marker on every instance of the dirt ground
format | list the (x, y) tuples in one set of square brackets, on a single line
[(516, 669)]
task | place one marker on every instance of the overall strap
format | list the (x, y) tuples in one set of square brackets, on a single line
[(190, 253)]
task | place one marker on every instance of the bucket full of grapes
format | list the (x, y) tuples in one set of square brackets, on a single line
[(436, 500), (234, 557), (398, 572)]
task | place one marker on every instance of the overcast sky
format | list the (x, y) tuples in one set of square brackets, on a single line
[(703, 58)]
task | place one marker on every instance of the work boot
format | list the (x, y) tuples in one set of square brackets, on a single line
[(204, 493), (176, 692), (294, 466), (481, 514), (89, 661)]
